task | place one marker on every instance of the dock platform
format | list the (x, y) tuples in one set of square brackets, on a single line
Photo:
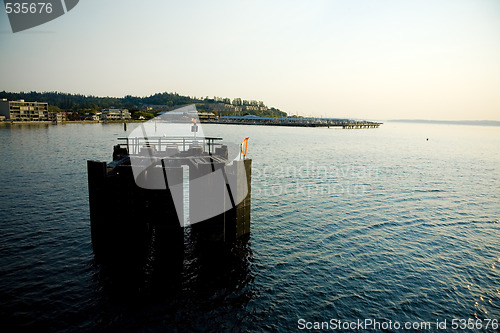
[(294, 122)]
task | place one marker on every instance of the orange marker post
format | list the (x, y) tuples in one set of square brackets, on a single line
[(245, 142)]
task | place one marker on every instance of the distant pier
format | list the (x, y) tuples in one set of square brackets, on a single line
[(294, 122)]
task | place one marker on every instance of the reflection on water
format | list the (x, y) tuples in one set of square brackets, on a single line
[(182, 278), (162, 268)]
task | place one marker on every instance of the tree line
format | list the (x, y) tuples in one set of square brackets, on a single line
[(87, 104)]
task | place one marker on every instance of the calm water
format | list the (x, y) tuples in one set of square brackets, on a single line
[(346, 224)]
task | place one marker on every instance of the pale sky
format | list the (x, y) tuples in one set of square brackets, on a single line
[(357, 59)]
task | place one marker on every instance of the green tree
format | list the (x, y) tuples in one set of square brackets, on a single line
[(142, 114)]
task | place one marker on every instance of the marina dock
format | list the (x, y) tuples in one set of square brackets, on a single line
[(294, 121)]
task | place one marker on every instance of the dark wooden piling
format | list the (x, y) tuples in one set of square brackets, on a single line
[(123, 214), (242, 171), (227, 191), (96, 181)]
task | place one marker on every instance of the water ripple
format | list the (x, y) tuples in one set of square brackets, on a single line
[(379, 224)]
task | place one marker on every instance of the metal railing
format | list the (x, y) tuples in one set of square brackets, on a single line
[(134, 145)]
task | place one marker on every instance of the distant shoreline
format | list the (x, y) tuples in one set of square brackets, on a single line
[(271, 122), (491, 123), (449, 122)]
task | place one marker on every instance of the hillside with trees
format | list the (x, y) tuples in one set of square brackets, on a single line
[(76, 105)]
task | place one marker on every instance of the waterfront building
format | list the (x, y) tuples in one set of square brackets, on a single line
[(26, 111), (206, 116), (115, 114)]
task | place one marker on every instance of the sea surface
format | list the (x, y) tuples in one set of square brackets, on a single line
[(395, 224)]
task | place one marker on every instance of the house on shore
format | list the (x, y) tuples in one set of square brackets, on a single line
[(115, 114)]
